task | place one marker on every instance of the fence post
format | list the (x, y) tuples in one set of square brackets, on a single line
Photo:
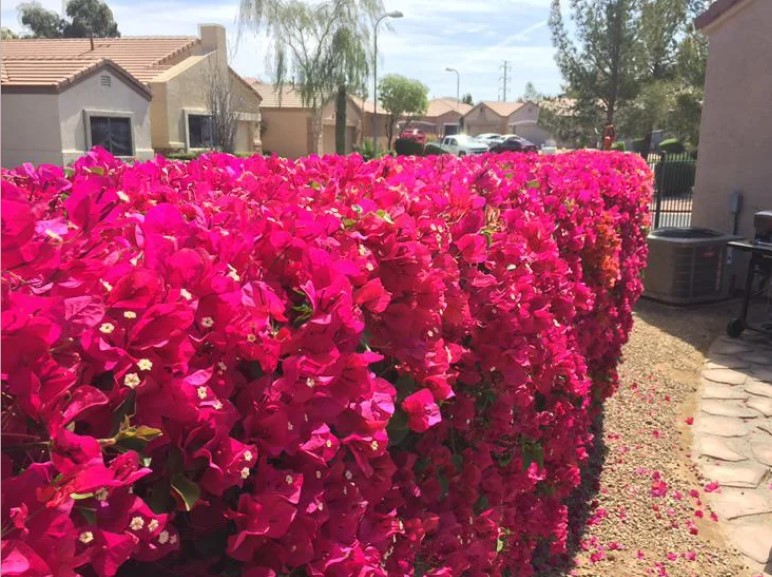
[(657, 205)]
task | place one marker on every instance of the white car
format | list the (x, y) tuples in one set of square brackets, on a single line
[(490, 138), (462, 144)]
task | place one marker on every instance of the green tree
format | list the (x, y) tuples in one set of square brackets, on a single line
[(87, 19), (90, 19), (402, 98), (7, 34), (40, 23), (530, 93), (326, 44), (467, 99), (598, 59), (666, 91)]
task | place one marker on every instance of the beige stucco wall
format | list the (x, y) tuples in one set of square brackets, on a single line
[(736, 128), (184, 89), (526, 115), (118, 99), (380, 128), (480, 120), (30, 129), (286, 131)]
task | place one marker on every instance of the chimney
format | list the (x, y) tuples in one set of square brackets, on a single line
[(213, 40)]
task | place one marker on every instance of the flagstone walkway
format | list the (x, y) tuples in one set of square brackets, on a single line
[(733, 442)]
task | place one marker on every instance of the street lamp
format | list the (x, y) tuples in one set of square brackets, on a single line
[(395, 14), (458, 86)]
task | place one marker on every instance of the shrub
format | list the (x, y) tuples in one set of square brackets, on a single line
[(672, 146), (408, 147), (619, 145), (265, 367), (675, 176)]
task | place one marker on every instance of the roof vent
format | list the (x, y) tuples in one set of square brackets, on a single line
[(106, 81)]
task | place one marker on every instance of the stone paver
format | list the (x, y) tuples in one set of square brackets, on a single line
[(729, 409), (735, 503), (725, 376), (733, 442), (716, 391), (718, 448), (754, 540), (721, 426), (759, 388), (763, 406)]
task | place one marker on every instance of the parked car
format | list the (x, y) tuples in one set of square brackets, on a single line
[(462, 144), (490, 138), (549, 147), (514, 143), (414, 134)]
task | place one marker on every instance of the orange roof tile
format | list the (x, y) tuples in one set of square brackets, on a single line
[(142, 57), (503, 109), (440, 106)]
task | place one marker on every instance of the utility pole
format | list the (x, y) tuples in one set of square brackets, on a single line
[(505, 67)]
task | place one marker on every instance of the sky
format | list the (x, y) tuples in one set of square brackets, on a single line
[(473, 36)]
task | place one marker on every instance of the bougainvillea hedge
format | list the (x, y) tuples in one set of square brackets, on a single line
[(325, 367)]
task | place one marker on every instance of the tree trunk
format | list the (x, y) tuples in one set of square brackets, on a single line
[(340, 120)]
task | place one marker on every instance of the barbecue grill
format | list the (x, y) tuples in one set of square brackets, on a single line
[(760, 267)]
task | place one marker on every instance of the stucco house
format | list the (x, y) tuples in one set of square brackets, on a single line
[(736, 127), (503, 118), (443, 117), (287, 122), (133, 95)]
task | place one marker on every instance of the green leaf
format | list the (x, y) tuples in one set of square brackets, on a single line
[(532, 184), (136, 438), (80, 496), (532, 452), (499, 545), (397, 428), (385, 216), (186, 490), (126, 409)]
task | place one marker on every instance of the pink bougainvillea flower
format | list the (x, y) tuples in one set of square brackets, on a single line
[(421, 410)]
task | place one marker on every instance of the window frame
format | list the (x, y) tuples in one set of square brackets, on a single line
[(197, 112), (90, 113)]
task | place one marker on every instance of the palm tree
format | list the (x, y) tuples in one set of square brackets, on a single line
[(327, 44)]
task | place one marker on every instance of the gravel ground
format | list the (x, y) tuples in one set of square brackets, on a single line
[(642, 511)]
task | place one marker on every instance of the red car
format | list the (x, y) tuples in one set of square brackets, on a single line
[(414, 134)]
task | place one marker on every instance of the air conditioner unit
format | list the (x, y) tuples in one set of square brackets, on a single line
[(686, 265)]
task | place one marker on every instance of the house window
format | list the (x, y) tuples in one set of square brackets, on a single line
[(112, 133), (200, 131)]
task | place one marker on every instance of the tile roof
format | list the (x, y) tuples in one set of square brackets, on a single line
[(58, 74), (503, 109), (440, 106), (50, 62), (290, 98), (367, 105), (716, 11)]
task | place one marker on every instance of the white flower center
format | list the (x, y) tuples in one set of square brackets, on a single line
[(185, 293), (106, 328), (245, 472), (129, 315), (131, 380), (163, 537), (136, 523), (288, 479), (86, 537), (145, 364), (247, 455), (101, 494), (310, 382), (202, 392), (153, 525), (207, 322)]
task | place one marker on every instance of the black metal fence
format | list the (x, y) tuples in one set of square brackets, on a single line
[(673, 189)]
